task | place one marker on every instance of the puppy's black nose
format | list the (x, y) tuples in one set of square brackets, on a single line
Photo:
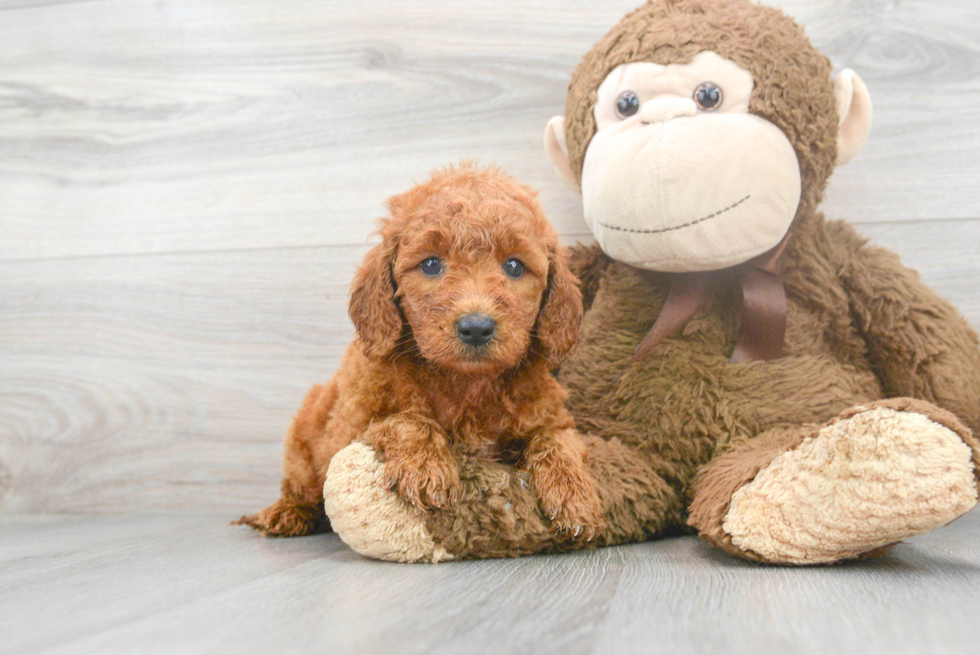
[(475, 329)]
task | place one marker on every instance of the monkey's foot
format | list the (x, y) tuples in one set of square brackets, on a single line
[(870, 478), (370, 518)]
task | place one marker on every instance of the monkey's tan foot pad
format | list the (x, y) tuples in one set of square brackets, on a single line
[(869, 479), (371, 519)]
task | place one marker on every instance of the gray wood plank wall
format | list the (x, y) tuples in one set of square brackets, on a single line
[(186, 187)]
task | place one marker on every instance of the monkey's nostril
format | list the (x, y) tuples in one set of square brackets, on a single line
[(475, 329)]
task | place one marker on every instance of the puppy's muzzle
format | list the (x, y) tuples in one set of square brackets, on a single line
[(475, 329)]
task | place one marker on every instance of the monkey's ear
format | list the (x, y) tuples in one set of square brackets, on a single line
[(554, 143), (854, 112), (372, 307)]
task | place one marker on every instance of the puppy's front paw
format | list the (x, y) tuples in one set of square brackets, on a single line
[(430, 481), (568, 496)]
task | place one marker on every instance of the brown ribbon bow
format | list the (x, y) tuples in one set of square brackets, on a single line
[(763, 307)]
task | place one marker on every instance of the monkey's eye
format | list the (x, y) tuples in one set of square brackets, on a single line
[(627, 104), (708, 96), (514, 268), (431, 266)]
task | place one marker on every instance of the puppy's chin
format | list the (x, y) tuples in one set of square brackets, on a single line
[(489, 360), (477, 363)]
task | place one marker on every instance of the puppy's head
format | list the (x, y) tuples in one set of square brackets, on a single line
[(469, 272)]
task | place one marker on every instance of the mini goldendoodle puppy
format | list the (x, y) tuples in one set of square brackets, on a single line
[(461, 313)]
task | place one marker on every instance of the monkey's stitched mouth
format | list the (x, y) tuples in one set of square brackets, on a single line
[(677, 227)]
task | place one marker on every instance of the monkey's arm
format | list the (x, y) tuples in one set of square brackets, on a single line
[(920, 346), (588, 263)]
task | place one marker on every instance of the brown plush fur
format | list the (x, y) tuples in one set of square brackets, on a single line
[(684, 428), (415, 392)]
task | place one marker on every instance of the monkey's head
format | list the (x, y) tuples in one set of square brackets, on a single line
[(700, 130)]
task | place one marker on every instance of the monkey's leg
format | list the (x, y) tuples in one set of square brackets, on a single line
[(497, 514), (299, 510), (873, 476)]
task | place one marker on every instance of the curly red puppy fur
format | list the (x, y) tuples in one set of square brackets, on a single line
[(461, 313)]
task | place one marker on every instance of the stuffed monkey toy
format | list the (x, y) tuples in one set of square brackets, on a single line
[(748, 370)]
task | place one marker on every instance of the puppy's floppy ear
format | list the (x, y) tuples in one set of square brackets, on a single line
[(561, 311), (372, 307)]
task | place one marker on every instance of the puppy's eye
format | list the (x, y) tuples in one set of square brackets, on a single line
[(708, 96), (514, 268), (627, 104), (431, 267)]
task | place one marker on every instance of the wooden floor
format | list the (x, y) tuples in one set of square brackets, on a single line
[(186, 187), (126, 584)]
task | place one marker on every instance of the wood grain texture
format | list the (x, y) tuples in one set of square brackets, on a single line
[(186, 188), (135, 126), (191, 585)]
